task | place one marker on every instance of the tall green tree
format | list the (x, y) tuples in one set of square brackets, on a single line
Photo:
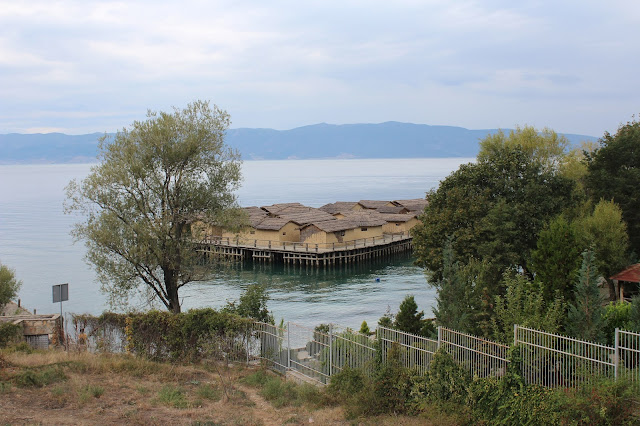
[(524, 304), (545, 147), (556, 259), (614, 174), (606, 232), (153, 180), (9, 285), (461, 301), (491, 210), (585, 318)]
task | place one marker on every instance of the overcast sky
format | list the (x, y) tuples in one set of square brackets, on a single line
[(95, 66)]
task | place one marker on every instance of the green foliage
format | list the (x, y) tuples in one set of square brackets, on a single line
[(364, 329), (461, 295), (408, 319), (283, 393), (154, 179), (606, 232), (616, 315), (9, 286), (186, 336), (491, 210), (634, 314), (386, 321), (602, 402), (545, 147), (614, 174), (90, 391), (209, 392), (585, 315), (9, 333), (252, 304), (445, 382), (173, 396), (40, 377), (524, 305), (346, 383), (556, 259)]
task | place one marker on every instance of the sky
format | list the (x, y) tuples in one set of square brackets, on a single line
[(96, 66)]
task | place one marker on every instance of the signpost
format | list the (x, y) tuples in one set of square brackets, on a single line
[(60, 294)]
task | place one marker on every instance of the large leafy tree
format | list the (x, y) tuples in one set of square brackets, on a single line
[(614, 174), (153, 180), (606, 232), (491, 210), (9, 285)]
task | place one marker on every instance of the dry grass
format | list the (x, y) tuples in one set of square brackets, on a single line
[(118, 389)]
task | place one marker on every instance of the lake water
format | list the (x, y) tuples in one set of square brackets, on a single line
[(35, 240)]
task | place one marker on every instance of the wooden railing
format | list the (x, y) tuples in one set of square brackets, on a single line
[(304, 246)]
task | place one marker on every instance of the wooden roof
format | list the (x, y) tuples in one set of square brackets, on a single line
[(414, 205), (339, 206), (308, 216), (392, 209), (276, 208), (373, 204), (631, 274), (404, 217), (334, 225), (272, 224), (364, 218)]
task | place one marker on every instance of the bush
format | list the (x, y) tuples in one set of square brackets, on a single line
[(9, 333), (445, 382), (40, 378)]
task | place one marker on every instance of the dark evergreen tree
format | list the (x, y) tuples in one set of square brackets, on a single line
[(556, 260), (408, 318), (585, 317)]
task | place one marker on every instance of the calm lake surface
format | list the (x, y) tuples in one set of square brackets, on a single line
[(35, 240)]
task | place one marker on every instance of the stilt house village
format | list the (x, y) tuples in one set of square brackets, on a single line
[(339, 232)]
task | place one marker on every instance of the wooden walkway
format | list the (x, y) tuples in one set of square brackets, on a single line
[(308, 253)]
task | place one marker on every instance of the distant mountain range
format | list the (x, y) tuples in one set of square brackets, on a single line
[(384, 140)]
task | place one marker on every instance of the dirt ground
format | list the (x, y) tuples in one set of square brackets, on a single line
[(120, 390)]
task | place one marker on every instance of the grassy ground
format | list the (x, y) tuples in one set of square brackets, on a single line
[(54, 387)]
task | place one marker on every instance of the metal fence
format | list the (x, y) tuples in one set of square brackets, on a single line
[(316, 353), (416, 352), (553, 360), (548, 359), (481, 357), (628, 351)]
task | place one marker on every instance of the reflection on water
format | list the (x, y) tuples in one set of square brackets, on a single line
[(35, 240), (343, 294)]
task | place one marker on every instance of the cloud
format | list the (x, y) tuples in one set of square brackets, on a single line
[(285, 64)]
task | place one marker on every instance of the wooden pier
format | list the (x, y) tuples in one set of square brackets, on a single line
[(293, 253)]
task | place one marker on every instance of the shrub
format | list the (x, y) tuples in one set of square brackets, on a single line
[(173, 396), (9, 333), (35, 378), (445, 382)]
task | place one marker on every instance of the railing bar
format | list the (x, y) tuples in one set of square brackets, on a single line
[(566, 353)]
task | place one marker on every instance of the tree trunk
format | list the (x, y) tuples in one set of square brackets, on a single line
[(171, 286), (613, 294)]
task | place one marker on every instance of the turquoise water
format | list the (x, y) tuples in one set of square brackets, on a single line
[(35, 240)]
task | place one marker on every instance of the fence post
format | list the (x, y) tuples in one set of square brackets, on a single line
[(439, 336), (615, 356), (288, 345), (246, 336), (330, 349), (515, 334)]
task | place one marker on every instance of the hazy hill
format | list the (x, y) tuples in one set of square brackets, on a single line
[(384, 140)]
